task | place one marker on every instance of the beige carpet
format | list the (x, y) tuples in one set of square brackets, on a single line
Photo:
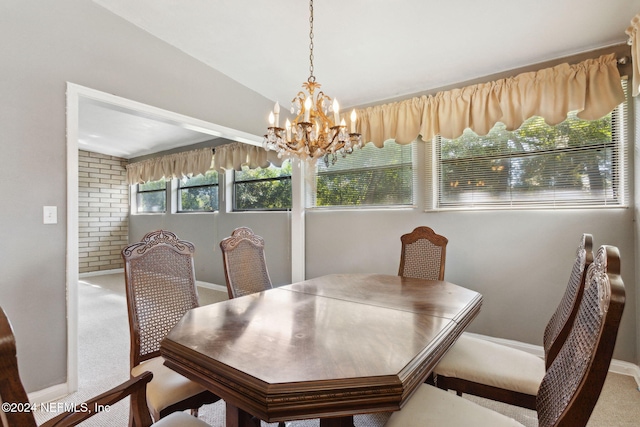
[(104, 360)]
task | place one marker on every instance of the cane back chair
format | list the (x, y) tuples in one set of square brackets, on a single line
[(12, 392), (572, 384), (245, 265), (423, 254), (494, 371), (161, 288)]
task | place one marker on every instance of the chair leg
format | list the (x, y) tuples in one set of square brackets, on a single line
[(194, 412)]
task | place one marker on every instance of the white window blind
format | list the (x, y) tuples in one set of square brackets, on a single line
[(577, 163), (370, 176)]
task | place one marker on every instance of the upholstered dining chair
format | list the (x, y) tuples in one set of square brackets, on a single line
[(494, 371), (423, 254), (572, 384), (12, 392), (245, 265), (161, 288)]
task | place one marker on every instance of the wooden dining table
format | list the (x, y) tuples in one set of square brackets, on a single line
[(329, 347)]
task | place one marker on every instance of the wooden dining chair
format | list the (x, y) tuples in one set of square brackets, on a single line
[(572, 384), (494, 371), (161, 288), (245, 265), (423, 254), (12, 392)]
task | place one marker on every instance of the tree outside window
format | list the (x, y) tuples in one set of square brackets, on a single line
[(199, 193)]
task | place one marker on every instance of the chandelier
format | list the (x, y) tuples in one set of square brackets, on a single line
[(312, 134)]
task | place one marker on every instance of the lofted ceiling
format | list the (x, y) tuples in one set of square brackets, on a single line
[(368, 51)]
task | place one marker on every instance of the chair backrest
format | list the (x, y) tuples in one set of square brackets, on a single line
[(245, 265), (423, 254), (562, 320), (573, 382), (161, 288), (11, 388)]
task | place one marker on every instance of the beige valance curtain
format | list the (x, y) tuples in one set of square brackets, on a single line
[(634, 41), (188, 163), (591, 87), (235, 155)]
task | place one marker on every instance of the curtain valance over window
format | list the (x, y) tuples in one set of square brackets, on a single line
[(188, 163), (195, 162), (591, 87), (235, 155), (634, 41)]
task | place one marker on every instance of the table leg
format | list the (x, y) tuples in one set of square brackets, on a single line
[(337, 422), (236, 417)]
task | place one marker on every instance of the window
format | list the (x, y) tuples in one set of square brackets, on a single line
[(572, 164), (262, 188), (370, 176), (199, 193), (151, 197)]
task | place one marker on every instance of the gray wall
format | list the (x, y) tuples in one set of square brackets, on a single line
[(520, 261), (44, 46)]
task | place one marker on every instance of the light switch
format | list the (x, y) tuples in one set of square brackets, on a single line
[(50, 214)]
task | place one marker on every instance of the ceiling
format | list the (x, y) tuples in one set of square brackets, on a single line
[(367, 51)]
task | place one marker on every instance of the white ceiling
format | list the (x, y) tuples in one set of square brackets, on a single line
[(372, 50), (127, 133)]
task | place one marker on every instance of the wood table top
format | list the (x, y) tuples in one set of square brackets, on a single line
[(326, 347)]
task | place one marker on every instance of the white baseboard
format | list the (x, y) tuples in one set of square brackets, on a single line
[(617, 366), (211, 286), (49, 394), (101, 272)]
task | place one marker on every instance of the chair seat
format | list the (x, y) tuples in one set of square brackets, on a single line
[(432, 407), (485, 362), (167, 386), (180, 419)]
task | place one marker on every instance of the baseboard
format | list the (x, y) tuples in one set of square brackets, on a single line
[(101, 272), (617, 366), (49, 394), (211, 286)]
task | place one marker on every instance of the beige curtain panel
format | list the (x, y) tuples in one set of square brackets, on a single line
[(188, 163), (634, 41), (591, 87), (236, 155)]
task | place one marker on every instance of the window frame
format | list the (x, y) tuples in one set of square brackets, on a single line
[(234, 192), (311, 202), (620, 171), (179, 188), (136, 207)]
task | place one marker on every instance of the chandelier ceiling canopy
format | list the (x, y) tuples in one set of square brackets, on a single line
[(317, 130)]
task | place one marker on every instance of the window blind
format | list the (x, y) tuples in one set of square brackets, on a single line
[(576, 163)]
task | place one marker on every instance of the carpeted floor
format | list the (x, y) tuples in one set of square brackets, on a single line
[(104, 361)]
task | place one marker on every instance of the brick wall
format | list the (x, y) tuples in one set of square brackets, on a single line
[(103, 211)]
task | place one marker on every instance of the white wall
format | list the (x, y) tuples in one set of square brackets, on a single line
[(44, 46)]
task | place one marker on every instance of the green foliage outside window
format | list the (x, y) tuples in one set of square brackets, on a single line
[(263, 188), (199, 193)]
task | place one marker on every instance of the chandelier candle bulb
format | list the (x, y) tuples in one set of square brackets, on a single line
[(288, 126), (336, 112), (276, 110), (307, 109), (353, 121), (271, 119)]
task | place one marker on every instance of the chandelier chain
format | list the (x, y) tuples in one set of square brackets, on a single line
[(312, 78)]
